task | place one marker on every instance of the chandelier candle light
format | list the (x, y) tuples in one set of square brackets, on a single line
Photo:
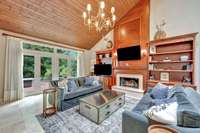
[(100, 21)]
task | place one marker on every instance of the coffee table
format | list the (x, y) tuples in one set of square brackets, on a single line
[(99, 106)]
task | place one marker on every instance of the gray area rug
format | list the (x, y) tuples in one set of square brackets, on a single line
[(70, 121)]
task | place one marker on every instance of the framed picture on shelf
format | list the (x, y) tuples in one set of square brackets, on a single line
[(152, 49), (164, 76)]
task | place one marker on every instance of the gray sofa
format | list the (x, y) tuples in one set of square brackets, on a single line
[(67, 99), (188, 101)]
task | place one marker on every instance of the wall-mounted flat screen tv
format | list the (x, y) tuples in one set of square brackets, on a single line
[(129, 53), (103, 69)]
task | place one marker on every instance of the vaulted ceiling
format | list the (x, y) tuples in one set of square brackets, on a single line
[(56, 20)]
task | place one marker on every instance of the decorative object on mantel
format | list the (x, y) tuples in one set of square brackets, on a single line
[(101, 20), (160, 34)]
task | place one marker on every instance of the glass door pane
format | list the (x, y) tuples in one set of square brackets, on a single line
[(74, 68), (64, 70), (28, 74), (46, 68)]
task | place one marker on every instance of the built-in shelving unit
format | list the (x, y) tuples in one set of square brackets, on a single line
[(171, 61), (105, 57)]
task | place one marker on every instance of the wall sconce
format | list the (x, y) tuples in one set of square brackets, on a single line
[(143, 52), (115, 54)]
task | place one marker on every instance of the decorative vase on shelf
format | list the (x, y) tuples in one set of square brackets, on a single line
[(160, 34)]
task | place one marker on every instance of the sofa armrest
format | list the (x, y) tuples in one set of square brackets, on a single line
[(60, 98), (133, 122)]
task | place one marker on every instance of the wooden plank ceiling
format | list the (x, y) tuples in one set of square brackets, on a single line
[(56, 20)]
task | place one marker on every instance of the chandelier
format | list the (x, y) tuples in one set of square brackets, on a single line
[(101, 20)]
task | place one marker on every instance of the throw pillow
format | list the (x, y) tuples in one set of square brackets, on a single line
[(63, 84), (95, 83), (163, 101), (89, 81), (159, 93), (71, 85), (164, 113), (81, 81), (174, 90)]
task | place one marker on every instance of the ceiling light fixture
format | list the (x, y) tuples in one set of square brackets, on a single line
[(101, 20)]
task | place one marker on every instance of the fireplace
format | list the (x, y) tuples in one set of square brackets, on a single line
[(132, 82), (129, 82)]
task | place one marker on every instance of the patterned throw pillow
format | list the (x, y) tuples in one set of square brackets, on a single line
[(160, 93), (164, 113), (71, 85)]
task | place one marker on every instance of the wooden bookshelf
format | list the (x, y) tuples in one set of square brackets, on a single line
[(172, 52), (166, 60), (100, 56)]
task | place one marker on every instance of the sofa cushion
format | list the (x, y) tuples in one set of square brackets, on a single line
[(144, 104), (72, 86), (81, 81), (175, 90), (82, 91), (89, 81), (163, 101), (187, 114), (164, 113), (159, 93)]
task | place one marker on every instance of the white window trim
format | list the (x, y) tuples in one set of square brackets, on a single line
[(54, 56)]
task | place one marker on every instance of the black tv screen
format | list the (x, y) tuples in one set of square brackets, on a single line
[(129, 53), (102, 69)]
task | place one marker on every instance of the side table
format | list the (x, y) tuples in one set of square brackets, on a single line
[(49, 101)]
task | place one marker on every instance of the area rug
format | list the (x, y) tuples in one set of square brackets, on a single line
[(70, 121)]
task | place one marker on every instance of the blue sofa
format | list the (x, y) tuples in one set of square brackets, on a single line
[(135, 122), (67, 99)]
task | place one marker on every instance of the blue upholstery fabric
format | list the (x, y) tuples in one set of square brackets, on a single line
[(163, 101), (81, 81), (143, 104), (89, 81), (135, 122), (159, 93), (187, 114), (81, 91), (72, 86)]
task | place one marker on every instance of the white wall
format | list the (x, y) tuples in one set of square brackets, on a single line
[(182, 17), (100, 45)]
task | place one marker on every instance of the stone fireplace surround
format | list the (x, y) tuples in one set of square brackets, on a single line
[(135, 92)]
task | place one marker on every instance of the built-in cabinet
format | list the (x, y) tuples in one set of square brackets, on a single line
[(172, 61)]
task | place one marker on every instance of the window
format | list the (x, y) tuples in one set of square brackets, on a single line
[(74, 68), (63, 68), (72, 54), (46, 68), (28, 68), (37, 47)]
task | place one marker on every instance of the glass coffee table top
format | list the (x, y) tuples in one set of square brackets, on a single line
[(101, 98)]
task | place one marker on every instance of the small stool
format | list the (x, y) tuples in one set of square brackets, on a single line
[(47, 94), (161, 129)]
